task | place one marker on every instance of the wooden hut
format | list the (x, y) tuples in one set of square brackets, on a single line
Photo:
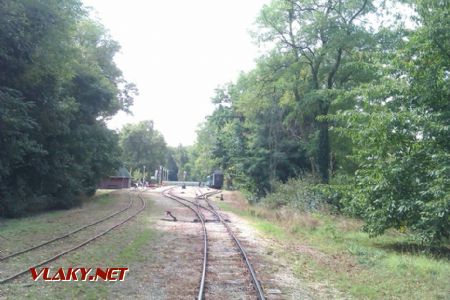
[(121, 180)]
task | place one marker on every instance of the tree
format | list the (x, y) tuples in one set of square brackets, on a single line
[(58, 85), (322, 39), (401, 134), (180, 154), (171, 165), (143, 146)]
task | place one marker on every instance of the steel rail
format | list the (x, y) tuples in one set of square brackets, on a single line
[(259, 290), (192, 202), (2, 281), (209, 194), (167, 193), (66, 234), (255, 281)]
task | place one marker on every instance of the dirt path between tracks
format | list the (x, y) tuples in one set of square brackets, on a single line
[(164, 257)]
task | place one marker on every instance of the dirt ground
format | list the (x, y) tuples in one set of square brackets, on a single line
[(275, 274), (176, 271), (164, 257)]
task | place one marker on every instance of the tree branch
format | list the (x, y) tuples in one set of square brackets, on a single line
[(334, 69), (358, 12)]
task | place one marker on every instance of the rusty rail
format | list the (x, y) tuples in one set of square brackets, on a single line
[(168, 194), (212, 209), (2, 281), (66, 234)]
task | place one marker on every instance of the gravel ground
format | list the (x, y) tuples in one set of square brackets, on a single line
[(164, 257), (275, 275)]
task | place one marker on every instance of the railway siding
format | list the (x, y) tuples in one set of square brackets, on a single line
[(18, 263)]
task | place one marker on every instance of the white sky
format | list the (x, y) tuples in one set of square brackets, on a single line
[(177, 52)]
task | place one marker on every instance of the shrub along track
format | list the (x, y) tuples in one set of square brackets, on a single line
[(226, 266), (132, 204)]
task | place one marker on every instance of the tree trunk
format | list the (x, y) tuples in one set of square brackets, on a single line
[(323, 152), (313, 166)]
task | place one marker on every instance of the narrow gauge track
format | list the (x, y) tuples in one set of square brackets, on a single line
[(92, 238), (191, 204), (66, 234), (167, 193)]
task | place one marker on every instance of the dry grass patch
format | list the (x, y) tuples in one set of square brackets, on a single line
[(328, 249)]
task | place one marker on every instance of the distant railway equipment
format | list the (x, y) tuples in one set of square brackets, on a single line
[(215, 180)]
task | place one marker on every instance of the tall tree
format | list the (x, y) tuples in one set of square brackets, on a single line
[(321, 38), (143, 146), (401, 132), (58, 85)]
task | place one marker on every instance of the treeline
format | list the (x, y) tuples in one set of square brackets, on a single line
[(353, 103), (58, 86), (143, 149)]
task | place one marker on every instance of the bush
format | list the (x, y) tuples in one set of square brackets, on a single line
[(302, 194)]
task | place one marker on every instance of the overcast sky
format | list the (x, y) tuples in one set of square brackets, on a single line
[(177, 53)]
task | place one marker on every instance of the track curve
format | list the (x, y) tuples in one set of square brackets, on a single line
[(66, 234), (24, 271), (211, 209)]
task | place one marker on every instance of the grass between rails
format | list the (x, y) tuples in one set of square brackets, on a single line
[(325, 248), (123, 247), (27, 231)]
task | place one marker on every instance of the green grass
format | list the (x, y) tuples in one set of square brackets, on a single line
[(126, 246), (386, 267), (103, 192), (131, 252), (15, 231), (259, 223)]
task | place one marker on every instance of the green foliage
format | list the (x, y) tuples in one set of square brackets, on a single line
[(363, 107), (300, 194), (142, 146), (400, 136), (200, 160), (171, 165), (184, 160), (58, 84), (308, 195), (322, 43)]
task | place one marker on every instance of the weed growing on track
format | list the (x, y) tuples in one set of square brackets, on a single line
[(122, 247), (27, 231), (326, 248)]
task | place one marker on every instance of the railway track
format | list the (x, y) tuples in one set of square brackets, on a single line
[(226, 269), (89, 239)]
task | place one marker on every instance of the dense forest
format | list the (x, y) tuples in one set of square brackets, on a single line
[(348, 108), (58, 86)]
